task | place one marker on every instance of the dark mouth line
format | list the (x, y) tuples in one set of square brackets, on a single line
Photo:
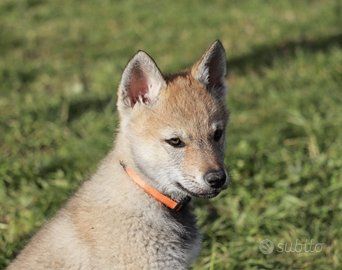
[(200, 195)]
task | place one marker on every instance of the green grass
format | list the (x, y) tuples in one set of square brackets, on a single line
[(61, 62)]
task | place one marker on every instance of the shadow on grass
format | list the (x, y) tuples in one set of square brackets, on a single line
[(265, 55), (78, 106)]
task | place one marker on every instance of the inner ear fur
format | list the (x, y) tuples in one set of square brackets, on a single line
[(211, 69), (141, 81)]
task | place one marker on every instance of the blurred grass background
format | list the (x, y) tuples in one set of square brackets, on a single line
[(60, 65)]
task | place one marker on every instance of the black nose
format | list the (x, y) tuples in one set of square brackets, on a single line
[(215, 179)]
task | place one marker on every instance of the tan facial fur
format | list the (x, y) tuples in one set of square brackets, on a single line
[(184, 110)]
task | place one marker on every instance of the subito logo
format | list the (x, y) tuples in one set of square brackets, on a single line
[(266, 246)]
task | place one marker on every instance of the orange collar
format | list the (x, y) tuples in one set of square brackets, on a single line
[(174, 205)]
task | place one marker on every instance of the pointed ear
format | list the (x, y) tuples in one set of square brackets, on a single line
[(211, 69), (141, 81)]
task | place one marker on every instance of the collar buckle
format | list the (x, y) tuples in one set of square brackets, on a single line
[(181, 203)]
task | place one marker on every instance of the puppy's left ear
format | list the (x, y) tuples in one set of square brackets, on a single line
[(211, 69)]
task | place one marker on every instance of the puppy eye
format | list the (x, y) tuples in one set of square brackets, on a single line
[(218, 134), (175, 142)]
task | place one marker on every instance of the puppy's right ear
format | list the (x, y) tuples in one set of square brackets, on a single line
[(141, 82)]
